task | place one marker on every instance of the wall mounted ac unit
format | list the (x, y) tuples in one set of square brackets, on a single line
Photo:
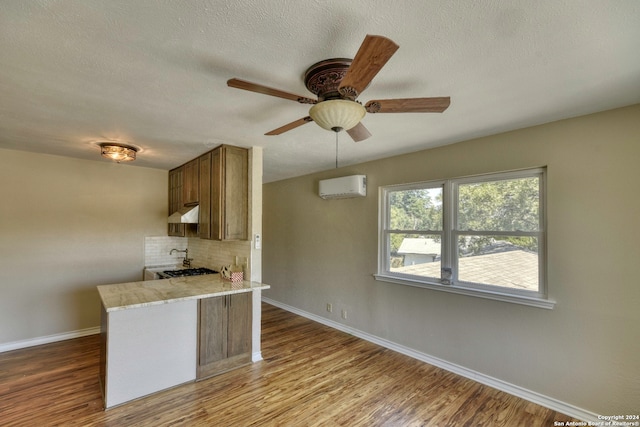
[(343, 187)]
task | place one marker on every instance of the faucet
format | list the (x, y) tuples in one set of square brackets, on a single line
[(186, 262)]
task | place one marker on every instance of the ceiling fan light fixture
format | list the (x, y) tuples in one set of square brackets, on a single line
[(337, 113), (118, 152)]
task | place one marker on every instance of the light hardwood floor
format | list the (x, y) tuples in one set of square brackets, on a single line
[(311, 375)]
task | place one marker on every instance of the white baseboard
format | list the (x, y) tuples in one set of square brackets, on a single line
[(15, 345), (531, 396)]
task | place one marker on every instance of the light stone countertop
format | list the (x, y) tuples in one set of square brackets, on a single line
[(124, 296)]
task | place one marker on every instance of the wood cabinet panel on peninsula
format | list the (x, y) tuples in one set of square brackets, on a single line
[(224, 333)]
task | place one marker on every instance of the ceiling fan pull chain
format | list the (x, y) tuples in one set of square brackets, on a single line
[(336, 150)]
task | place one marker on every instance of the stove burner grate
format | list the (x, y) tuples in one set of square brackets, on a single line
[(187, 272)]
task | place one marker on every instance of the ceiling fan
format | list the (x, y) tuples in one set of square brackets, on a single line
[(338, 82)]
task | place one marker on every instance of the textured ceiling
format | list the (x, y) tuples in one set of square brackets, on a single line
[(153, 73)]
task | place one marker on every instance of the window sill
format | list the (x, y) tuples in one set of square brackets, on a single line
[(497, 296)]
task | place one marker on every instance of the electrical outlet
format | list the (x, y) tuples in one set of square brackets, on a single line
[(329, 308), (344, 314)]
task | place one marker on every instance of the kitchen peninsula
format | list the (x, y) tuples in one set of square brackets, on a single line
[(161, 333)]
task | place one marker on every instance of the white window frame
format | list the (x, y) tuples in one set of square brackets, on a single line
[(449, 254)]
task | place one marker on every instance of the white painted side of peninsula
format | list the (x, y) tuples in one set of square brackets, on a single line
[(149, 333), (149, 349)]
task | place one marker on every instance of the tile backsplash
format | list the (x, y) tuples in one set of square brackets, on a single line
[(215, 254), (205, 253), (157, 248)]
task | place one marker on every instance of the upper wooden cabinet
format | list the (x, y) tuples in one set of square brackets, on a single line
[(233, 208), (229, 194), (204, 221), (219, 182), (175, 199), (190, 185)]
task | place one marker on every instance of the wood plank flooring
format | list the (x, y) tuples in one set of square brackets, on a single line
[(311, 375)]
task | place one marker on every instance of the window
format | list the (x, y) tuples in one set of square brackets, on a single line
[(481, 236)]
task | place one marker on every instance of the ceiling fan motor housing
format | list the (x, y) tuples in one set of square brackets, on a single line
[(323, 78)]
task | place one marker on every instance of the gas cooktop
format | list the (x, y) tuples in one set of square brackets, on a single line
[(185, 272)]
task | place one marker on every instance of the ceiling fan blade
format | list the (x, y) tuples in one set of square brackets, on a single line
[(254, 87), (408, 105), (374, 52), (359, 132), (289, 126)]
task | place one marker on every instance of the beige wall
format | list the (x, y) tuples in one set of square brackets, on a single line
[(584, 353), (67, 225)]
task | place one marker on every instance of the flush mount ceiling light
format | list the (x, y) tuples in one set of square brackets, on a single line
[(118, 152), (337, 114)]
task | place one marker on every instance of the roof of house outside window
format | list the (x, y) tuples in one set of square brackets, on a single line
[(499, 269), (422, 246)]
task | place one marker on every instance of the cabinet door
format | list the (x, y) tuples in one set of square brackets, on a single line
[(175, 200), (212, 342), (239, 329), (204, 222), (224, 330), (190, 187), (216, 194), (236, 193)]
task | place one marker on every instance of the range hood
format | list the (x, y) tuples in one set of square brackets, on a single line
[(186, 215)]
